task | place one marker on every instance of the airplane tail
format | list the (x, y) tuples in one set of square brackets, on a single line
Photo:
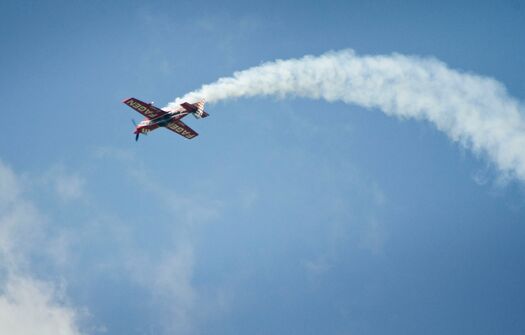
[(199, 113)]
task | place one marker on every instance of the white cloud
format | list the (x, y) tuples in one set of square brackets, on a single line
[(27, 305)]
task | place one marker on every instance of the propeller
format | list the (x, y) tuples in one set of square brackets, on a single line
[(135, 124)]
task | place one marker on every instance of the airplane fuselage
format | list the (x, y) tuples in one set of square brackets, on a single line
[(148, 125), (169, 119)]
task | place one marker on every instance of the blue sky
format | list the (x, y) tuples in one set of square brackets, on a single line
[(285, 216)]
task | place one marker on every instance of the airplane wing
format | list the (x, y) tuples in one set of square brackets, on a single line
[(182, 129), (148, 110)]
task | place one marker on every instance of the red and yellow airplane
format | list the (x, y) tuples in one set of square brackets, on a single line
[(156, 117)]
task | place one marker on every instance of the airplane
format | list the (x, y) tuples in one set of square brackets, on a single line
[(156, 117)]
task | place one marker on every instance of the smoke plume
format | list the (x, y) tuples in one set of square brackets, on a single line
[(473, 110)]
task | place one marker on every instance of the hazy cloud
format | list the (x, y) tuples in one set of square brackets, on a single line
[(169, 279), (373, 236), (67, 185), (27, 305)]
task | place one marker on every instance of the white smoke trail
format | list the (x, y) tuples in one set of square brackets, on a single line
[(473, 110)]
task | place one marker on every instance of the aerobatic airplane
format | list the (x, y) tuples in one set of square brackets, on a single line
[(156, 117)]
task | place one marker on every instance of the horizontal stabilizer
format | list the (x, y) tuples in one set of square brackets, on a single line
[(197, 109)]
